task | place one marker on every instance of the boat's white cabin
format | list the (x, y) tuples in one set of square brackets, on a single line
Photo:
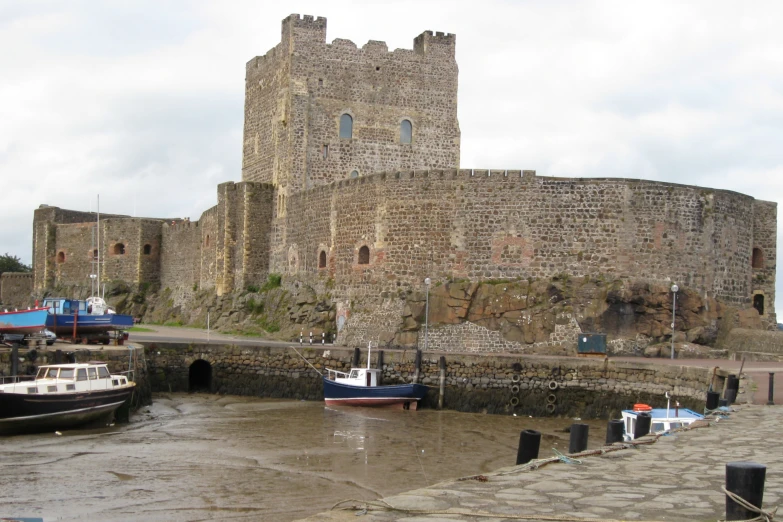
[(357, 377), (663, 420), (67, 378)]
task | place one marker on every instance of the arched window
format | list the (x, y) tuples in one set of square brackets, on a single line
[(206, 241), (61, 257), (758, 258), (406, 132), (119, 249), (322, 259), (346, 126), (364, 255), (354, 173)]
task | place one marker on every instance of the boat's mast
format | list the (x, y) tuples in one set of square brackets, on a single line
[(98, 232), (369, 350)]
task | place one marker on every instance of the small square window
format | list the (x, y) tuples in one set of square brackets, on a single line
[(32, 389), (51, 389), (70, 387)]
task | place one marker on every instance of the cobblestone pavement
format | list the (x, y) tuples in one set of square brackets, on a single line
[(678, 477)]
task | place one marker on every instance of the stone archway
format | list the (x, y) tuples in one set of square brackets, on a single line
[(200, 376)]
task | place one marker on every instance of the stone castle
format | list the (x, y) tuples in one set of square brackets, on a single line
[(351, 186)]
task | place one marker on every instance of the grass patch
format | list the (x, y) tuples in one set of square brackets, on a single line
[(140, 329), (273, 281)]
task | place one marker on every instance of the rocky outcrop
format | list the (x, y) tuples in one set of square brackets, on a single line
[(636, 315)]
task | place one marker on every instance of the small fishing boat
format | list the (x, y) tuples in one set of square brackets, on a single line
[(82, 320), (61, 396), (662, 419), (360, 387), (32, 320)]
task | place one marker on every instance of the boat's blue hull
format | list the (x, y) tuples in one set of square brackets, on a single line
[(62, 324), (399, 395), (23, 321)]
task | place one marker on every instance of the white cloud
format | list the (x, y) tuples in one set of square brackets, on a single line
[(142, 102)]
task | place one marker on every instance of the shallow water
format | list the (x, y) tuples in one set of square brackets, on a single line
[(207, 457)]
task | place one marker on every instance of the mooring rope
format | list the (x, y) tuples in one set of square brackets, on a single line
[(308, 362), (764, 516), (365, 506)]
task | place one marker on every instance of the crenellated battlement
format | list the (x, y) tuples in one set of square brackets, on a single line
[(437, 43)]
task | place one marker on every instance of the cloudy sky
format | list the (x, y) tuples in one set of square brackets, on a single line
[(142, 101)]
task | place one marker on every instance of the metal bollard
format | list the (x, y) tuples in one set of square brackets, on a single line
[(722, 402), (731, 395), (529, 442), (58, 356), (614, 431), (578, 441), (712, 400), (643, 422), (771, 395), (746, 480)]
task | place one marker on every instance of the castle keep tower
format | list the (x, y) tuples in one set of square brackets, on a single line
[(316, 113)]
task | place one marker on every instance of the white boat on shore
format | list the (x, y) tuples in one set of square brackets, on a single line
[(662, 419), (61, 396)]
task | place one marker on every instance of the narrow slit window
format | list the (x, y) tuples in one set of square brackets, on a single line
[(346, 126), (364, 255), (325, 151), (406, 132), (322, 259), (147, 249), (758, 258)]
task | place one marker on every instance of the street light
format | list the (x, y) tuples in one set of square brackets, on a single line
[(427, 282), (675, 288)]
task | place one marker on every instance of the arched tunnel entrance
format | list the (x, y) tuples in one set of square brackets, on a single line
[(200, 376)]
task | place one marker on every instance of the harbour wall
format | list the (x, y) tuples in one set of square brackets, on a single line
[(501, 384)]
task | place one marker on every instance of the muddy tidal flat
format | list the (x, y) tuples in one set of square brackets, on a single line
[(207, 457)]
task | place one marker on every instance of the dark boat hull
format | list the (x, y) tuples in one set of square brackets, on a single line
[(398, 395), (62, 324), (27, 413)]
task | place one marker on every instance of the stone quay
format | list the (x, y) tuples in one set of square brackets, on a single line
[(676, 477)]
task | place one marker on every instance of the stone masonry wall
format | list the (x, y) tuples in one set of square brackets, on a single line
[(484, 225), (765, 241), (492, 382), (16, 289)]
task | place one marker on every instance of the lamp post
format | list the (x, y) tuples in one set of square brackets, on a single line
[(675, 288), (427, 282)]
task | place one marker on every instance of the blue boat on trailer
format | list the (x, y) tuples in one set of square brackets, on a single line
[(32, 320), (361, 387), (80, 321)]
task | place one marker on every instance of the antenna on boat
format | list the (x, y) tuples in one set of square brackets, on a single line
[(668, 403), (369, 350)]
